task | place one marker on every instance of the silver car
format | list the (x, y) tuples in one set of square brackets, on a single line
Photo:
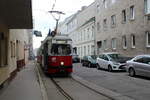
[(139, 65)]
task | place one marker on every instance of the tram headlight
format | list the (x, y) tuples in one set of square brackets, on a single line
[(61, 63)]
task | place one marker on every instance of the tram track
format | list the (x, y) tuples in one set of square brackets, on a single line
[(69, 89), (94, 90), (61, 88)]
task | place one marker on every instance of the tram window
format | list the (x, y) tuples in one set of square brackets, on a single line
[(61, 49)]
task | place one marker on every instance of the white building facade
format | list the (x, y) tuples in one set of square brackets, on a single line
[(81, 28)]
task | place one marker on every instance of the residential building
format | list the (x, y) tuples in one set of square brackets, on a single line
[(83, 30), (123, 26), (72, 32), (16, 14)]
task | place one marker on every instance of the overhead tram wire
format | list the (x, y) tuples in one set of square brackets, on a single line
[(57, 12), (54, 5)]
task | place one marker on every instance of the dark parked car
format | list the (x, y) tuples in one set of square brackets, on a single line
[(75, 58), (89, 61), (139, 65)]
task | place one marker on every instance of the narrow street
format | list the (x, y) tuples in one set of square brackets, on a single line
[(75, 90), (133, 87)]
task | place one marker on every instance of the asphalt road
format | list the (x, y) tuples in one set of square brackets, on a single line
[(137, 88)]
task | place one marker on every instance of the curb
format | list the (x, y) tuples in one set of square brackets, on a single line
[(101, 90), (42, 87)]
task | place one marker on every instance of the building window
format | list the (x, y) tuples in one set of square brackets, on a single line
[(3, 49), (78, 51), (133, 41), (124, 41), (84, 50), (105, 23), (113, 20), (92, 31), (124, 18), (147, 6), (88, 49), (99, 46), (98, 8), (12, 45), (92, 49), (84, 36), (98, 26), (88, 33), (148, 39), (81, 53), (113, 43), (105, 44), (105, 3), (132, 12)]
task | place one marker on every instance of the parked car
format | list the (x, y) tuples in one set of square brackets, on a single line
[(139, 65), (89, 61), (111, 61), (75, 58)]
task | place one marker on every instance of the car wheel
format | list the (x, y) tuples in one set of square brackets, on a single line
[(131, 72), (89, 65), (109, 68), (83, 64), (98, 66)]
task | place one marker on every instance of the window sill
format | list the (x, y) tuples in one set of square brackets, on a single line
[(124, 48), (148, 46), (147, 14), (113, 48), (106, 49), (132, 19), (3, 66), (113, 26), (123, 22), (133, 47)]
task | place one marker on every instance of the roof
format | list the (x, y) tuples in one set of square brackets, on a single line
[(90, 20), (17, 14), (144, 55)]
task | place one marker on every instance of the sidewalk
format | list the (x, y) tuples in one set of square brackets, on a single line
[(24, 87)]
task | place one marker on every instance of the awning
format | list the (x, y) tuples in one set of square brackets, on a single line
[(17, 13)]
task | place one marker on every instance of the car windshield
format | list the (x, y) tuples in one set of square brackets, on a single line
[(91, 58), (61, 49), (115, 56), (94, 57)]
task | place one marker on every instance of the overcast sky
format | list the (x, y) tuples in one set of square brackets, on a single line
[(43, 20)]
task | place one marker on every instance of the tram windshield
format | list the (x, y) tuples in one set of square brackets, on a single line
[(61, 49)]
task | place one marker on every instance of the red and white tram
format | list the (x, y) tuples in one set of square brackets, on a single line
[(54, 55)]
